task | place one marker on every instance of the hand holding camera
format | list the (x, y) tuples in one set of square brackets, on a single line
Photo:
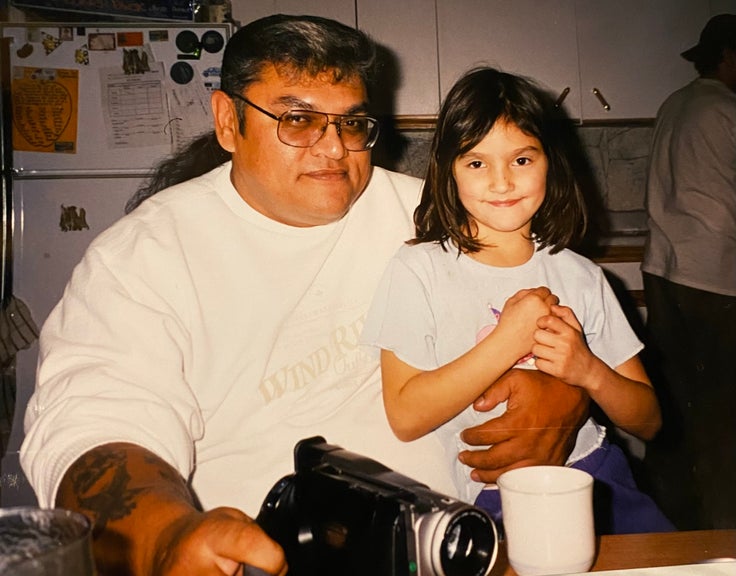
[(342, 513)]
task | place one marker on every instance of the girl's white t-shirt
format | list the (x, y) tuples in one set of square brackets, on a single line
[(433, 305)]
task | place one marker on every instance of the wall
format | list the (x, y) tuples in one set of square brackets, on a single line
[(617, 156)]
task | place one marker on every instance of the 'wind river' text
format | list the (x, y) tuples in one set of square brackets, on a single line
[(340, 354)]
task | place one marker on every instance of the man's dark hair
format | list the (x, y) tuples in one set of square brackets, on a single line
[(198, 157)]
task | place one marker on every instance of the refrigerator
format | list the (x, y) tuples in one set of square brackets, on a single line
[(89, 109)]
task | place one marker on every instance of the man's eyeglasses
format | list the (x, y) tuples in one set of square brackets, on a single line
[(304, 128)]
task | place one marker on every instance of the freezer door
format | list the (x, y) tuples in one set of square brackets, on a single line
[(54, 222), (89, 98)]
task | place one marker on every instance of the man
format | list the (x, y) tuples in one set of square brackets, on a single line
[(690, 286), (217, 324)]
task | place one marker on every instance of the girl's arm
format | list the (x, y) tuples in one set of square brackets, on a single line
[(625, 393), (418, 401)]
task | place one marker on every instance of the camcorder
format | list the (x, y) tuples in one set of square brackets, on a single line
[(343, 513)]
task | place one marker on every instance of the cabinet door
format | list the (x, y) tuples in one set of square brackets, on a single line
[(245, 11), (630, 52), (722, 7), (535, 38), (407, 29)]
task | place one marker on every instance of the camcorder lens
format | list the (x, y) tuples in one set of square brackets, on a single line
[(468, 545)]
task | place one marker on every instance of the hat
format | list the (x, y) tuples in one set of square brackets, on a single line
[(719, 33)]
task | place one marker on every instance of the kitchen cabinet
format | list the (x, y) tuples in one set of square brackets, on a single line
[(245, 11), (627, 50), (722, 7), (529, 37), (408, 31), (405, 31), (630, 52)]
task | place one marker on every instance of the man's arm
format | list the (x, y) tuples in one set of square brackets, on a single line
[(540, 425), (146, 521)]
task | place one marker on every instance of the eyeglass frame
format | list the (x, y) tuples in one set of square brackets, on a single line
[(336, 123)]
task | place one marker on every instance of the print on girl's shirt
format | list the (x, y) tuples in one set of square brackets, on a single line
[(528, 362)]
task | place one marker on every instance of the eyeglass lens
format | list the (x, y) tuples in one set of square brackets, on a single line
[(304, 128)]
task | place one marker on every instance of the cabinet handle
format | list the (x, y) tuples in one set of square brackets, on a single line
[(562, 96), (601, 99)]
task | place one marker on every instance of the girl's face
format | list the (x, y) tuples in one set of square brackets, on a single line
[(502, 181)]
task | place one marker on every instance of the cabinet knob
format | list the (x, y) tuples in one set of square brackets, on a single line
[(601, 99), (562, 96)]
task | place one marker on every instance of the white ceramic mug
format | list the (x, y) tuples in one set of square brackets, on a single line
[(548, 519)]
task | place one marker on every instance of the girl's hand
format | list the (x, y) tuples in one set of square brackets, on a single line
[(624, 393), (521, 313), (560, 347)]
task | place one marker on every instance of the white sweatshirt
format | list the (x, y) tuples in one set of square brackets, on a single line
[(217, 338)]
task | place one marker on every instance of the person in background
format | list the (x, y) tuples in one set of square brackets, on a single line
[(217, 324), (457, 306), (689, 271)]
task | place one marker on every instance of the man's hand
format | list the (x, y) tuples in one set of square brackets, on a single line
[(216, 542), (145, 521), (540, 425)]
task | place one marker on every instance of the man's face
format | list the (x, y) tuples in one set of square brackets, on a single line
[(295, 186)]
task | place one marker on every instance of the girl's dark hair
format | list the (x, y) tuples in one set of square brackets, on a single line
[(473, 105), (296, 45)]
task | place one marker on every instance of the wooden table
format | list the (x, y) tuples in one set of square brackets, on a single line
[(645, 550)]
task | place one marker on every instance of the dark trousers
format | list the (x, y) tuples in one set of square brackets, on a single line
[(691, 358)]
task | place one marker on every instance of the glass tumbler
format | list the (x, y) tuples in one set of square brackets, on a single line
[(45, 542)]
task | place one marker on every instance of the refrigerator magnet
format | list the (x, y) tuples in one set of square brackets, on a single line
[(25, 51), (128, 39), (101, 41), (81, 55), (182, 72), (188, 43), (212, 41), (50, 43), (158, 36)]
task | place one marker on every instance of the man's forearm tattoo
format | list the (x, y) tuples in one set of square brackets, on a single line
[(172, 478), (101, 485)]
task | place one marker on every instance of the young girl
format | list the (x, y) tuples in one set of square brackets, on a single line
[(476, 293)]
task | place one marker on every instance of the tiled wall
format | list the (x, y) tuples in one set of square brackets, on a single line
[(617, 157)]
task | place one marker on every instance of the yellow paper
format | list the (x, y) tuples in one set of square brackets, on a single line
[(45, 108)]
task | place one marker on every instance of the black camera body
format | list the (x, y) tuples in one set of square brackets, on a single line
[(343, 513)]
